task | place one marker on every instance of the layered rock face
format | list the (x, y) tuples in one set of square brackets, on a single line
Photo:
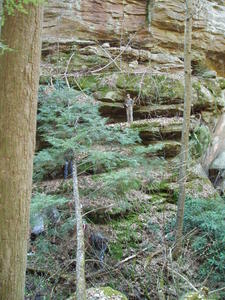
[(153, 25), (114, 47)]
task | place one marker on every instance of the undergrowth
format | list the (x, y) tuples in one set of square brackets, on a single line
[(206, 219)]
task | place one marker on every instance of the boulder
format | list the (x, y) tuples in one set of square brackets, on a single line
[(217, 172), (159, 129), (198, 185), (219, 162), (102, 293), (209, 74)]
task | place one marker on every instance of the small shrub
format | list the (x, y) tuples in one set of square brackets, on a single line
[(209, 243), (41, 202), (118, 183)]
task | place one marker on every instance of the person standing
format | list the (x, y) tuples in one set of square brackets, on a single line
[(129, 103)]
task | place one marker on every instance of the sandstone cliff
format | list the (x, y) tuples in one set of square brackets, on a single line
[(114, 47), (153, 25)]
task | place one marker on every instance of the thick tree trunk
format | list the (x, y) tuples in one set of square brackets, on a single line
[(80, 257), (185, 129), (19, 76), (0, 17)]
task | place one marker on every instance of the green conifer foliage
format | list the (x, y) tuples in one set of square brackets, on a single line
[(70, 124)]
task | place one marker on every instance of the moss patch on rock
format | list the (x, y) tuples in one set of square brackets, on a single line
[(207, 95), (155, 88), (105, 293), (127, 235)]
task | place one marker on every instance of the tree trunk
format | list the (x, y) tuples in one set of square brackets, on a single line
[(19, 75), (80, 258), (0, 18), (185, 129), (149, 13)]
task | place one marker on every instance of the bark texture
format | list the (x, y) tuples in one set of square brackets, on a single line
[(185, 129), (19, 76), (80, 259), (0, 18)]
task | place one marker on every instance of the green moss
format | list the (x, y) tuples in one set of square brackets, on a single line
[(162, 87), (208, 94), (125, 237), (157, 130), (108, 291), (45, 79), (213, 86), (128, 82), (199, 66), (141, 126), (116, 251), (157, 186), (191, 185), (221, 82), (153, 88), (107, 94), (195, 296), (200, 95), (159, 197), (81, 61), (78, 61), (88, 82)]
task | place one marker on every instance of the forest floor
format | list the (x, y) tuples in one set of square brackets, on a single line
[(139, 261)]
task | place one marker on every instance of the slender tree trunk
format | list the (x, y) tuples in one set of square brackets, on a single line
[(19, 75), (149, 13), (80, 258), (185, 129)]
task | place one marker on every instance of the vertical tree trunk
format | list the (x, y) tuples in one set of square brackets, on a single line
[(80, 257), (0, 17), (149, 13), (185, 129), (19, 75)]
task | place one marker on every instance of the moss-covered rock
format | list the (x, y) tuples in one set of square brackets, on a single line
[(159, 129), (102, 293), (125, 238), (154, 88), (221, 82), (159, 110), (199, 295), (209, 74), (207, 95), (198, 184)]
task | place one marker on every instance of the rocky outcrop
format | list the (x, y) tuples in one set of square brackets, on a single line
[(114, 47), (155, 34)]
